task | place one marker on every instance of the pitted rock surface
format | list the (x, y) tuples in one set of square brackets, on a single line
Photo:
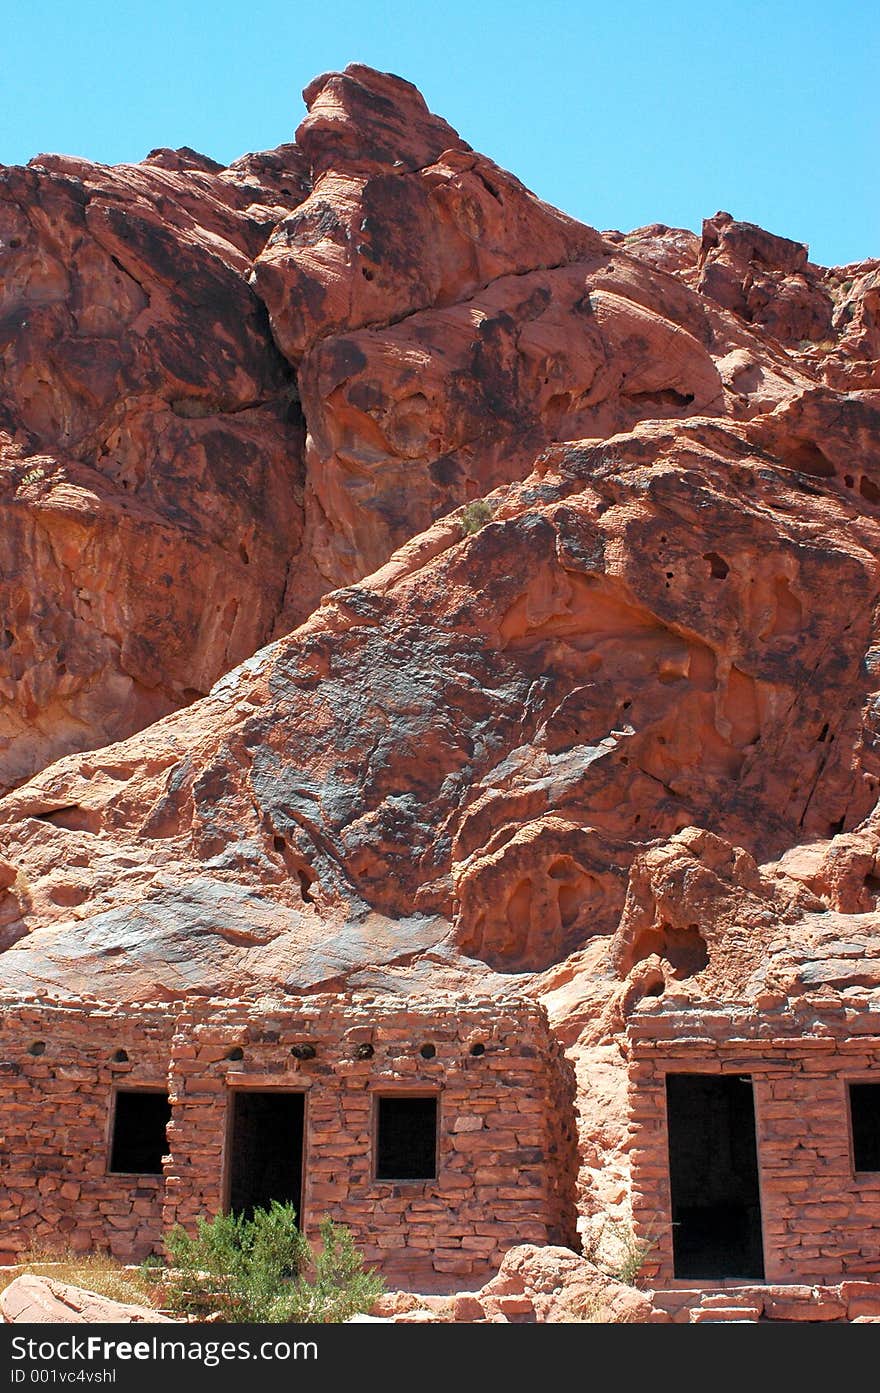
[(469, 594)]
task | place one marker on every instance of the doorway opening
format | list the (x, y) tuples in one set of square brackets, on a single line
[(713, 1172), (266, 1151)]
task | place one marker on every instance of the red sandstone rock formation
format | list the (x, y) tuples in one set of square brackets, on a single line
[(31, 1300), (593, 698), (551, 1285), (163, 489)]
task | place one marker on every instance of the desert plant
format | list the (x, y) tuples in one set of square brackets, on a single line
[(475, 515), (629, 1250), (151, 1269), (339, 1286), (235, 1264), (255, 1269)]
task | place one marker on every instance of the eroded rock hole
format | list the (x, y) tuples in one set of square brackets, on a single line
[(807, 458), (869, 491), (303, 1051), (872, 885), (37, 1048), (478, 1050), (120, 1056), (519, 909), (569, 905), (684, 949), (236, 1054), (306, 881), (428, 1050), (718, 567)]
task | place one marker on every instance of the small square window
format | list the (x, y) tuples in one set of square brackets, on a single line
[(140, 1119), (406, 1138), (864, 1110)]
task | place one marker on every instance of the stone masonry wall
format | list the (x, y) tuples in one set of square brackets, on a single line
[(821, 1219), (506, 1156), (506, 1141), (59, 1068)]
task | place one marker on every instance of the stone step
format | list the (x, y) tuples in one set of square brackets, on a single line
[(724, 1314), (737, 1296), (851, 1299)]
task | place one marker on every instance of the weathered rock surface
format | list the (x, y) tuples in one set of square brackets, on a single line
[(482, 762), (150, 442), (180, 483), (32, 1300), (549, 1285)]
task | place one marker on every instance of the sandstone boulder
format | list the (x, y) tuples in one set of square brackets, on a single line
[(32, 1300)]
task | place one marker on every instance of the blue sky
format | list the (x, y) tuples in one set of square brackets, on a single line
[(620, 113)]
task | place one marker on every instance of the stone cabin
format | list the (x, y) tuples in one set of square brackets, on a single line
[(440, 1131), (754, 1138)]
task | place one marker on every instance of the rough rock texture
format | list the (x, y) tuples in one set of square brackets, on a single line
[(649, 647), (33, 1300), (593, 698), (547, 1284), (168, 504), (150, 442), (504, 1133)]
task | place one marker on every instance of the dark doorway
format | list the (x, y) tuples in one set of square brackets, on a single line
[(266, 1151), (406, 1138), (713, 1170), (864, 1107), (140, 1118)]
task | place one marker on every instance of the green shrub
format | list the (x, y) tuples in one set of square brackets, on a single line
[(339, 1285), (255, 1270), (475, 515)]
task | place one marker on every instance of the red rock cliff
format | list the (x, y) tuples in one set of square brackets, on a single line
[(596, 520)]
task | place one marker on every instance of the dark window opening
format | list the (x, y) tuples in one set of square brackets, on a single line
[(713, 1171), (864, 1110), (266, 1151), (139, 1141), (406, 1138)]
